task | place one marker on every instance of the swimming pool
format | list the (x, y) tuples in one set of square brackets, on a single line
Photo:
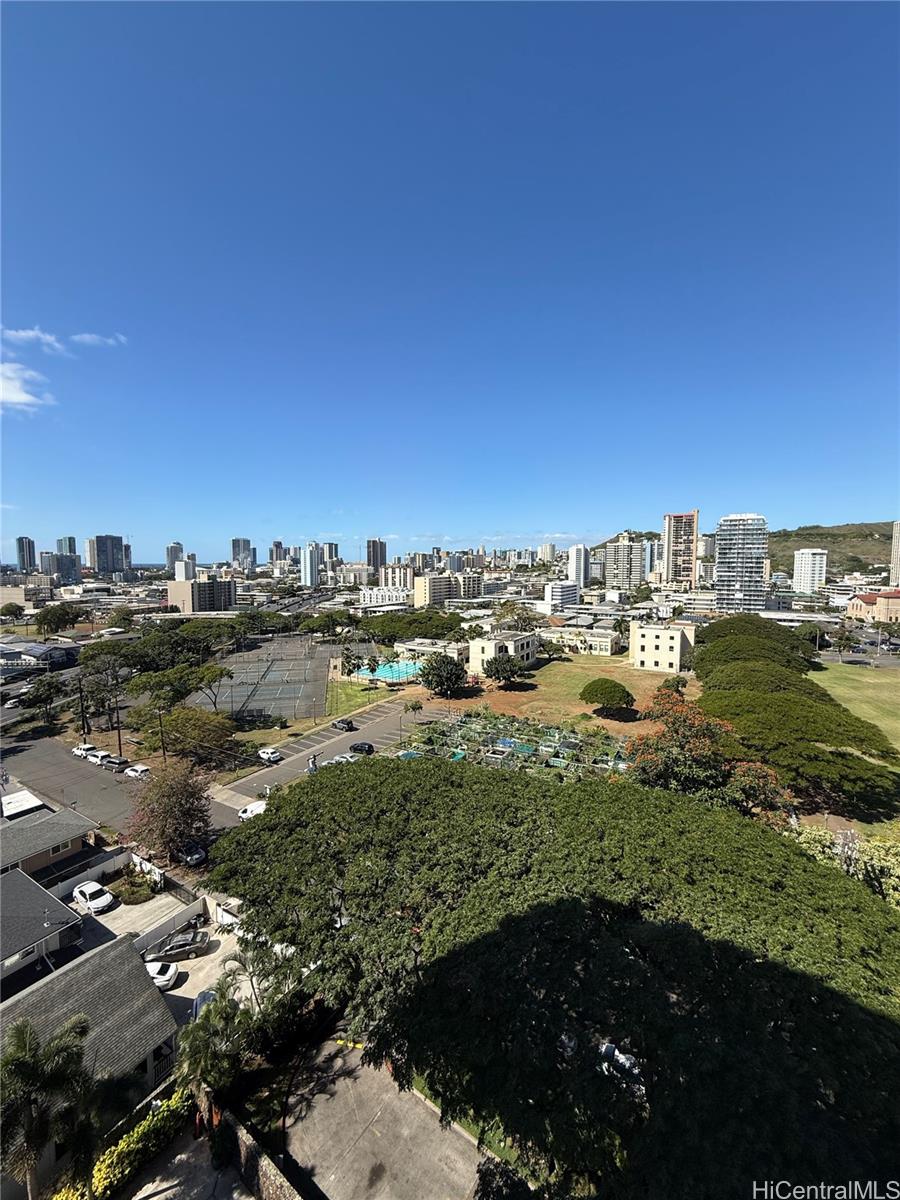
[(396, 672)]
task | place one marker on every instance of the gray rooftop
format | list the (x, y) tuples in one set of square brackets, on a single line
[(110, 985), (39, 831), (28, 914)]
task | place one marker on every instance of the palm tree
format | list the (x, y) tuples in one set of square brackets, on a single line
[(621, 626), (372, 665), (211, 1049), (413, 706), (35, 1077)]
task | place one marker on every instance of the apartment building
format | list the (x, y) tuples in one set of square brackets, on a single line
[(523, 646), (547, 552), (370, 597), (624, 563), (579, 564), (742, 545), (437, 589), (894, 577), (661, 647), (202, 595), (562, 593), (679, 548), (25, 555), (396, 575), (809, 570)]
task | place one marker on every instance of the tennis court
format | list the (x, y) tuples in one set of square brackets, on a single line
[(285, 677)]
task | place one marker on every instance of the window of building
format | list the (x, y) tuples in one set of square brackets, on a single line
[(62, 846), (656, 662)]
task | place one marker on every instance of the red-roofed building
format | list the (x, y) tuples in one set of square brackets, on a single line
[(875, 606)]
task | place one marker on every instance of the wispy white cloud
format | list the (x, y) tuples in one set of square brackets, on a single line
[(48, 342), (98, 339), (20, 389)]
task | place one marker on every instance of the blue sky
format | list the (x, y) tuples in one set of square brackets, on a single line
[(446, 273)]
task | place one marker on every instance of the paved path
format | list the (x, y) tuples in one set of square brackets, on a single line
[(383, 725)]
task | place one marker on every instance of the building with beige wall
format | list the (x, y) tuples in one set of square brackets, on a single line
[(395, 575), (679, 548), (661, 647), (523, 646), (202, 595), (419, 648), (604, 642), (875, 606), (435, 588)]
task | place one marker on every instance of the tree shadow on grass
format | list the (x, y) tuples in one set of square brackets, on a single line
[(739, 1070)]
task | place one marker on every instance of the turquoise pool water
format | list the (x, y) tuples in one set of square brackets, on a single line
[(398, 672)]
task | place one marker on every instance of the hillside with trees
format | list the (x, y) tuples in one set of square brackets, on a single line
[(850, 547), (647, 995)]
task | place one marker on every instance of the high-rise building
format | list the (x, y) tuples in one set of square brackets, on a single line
[(562, 593), (624, 558), (547, 553), (742, 546), (809, 570), (309, 564), (276, 552), (679, 548), (105, 553), (202, 595), (185, 569), (174, 552), (330, 552), (126, 556), (653, 557), (894, 578), (66, 545), (376, 554), (579, 564), (241, 553), (396, 576), (25, 554)]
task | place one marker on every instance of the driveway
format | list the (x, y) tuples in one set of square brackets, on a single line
[(198, 975), (184, 1171), (360, 1138), (127, 918)]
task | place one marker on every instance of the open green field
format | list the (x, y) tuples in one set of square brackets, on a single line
[(873, 695)]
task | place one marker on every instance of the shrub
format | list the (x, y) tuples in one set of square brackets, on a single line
[(763, 677), (607, 695), (743, 648)]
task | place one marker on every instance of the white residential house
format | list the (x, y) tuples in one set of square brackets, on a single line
[(661, 647), (523, 646)]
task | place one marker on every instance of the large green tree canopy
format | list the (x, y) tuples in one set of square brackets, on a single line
[(497, 934)]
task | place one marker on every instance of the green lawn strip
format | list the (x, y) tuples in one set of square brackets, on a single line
[(872, 695), (492, 1139)]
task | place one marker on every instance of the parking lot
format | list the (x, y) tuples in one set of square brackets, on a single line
[(201, 974), (284, 677), (126, 918)]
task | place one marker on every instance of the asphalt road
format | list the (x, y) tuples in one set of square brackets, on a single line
[(51, 769), (382, 725)]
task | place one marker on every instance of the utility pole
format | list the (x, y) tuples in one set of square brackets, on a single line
[(84, 724), (118, 725)]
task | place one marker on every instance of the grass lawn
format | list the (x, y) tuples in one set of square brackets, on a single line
[(873, 695), (551, 692)]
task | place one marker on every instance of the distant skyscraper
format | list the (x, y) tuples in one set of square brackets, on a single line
[(376, 554), (653, 556), (742, 546), (579, 564), (126, 555), (241, 555), (330, 552), (309, 564), (185, 569), (174, 552), (895, 557), (66, 545), (547, 553), (809, 570), (624, 560), (679, 548), (25, 553), (106, 553), (66, 566), (276, 552)]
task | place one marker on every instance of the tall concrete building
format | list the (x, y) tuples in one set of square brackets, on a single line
[(66, 545), (547, 553), (242, 553), (330, 552), (561, 593), (202, 595), (679, 548), (309, 564), (66, 566), (624, 563), (276, 552), (742, 547), (579, 564), (186, 569), (25, 554), (895, 556), (105, 553), (376, 554), (395, 575), (174, 551), (809, 570)]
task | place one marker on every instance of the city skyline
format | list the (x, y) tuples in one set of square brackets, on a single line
[(412, 285)]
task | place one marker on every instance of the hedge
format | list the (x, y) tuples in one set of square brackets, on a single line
[(120, 1162)]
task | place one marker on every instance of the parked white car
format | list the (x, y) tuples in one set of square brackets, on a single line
[(137, 771), (98, 757), (251, 810), (270, 755), (94, 897), (163, 974), (343, 758), (83, 750), (13, 702)]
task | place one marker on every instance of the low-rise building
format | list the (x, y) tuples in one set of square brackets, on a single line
[(660, 647), (875, 606), (42, 838), (419, 648), (603, 642), (202, 595), (33, 926), (562, 593), (523, 646), (377, 596)]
